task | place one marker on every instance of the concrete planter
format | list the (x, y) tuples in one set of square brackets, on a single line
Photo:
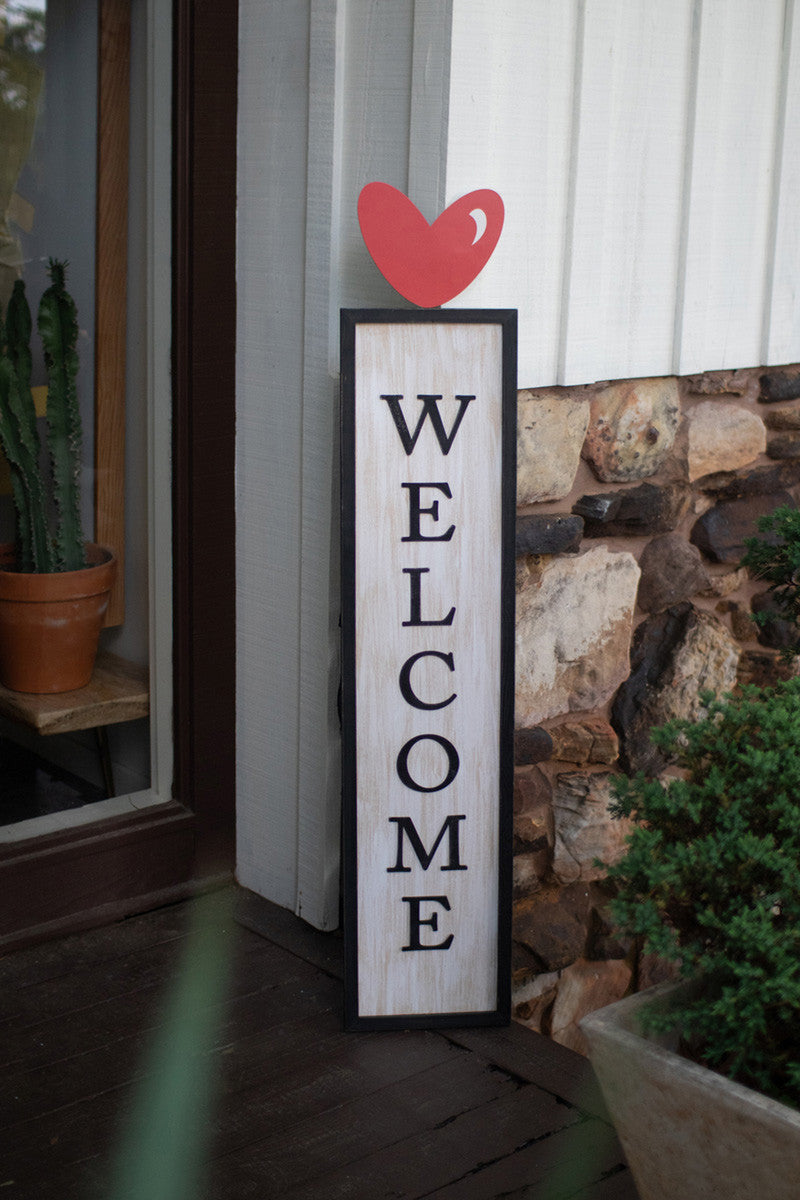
[(688, 1132)]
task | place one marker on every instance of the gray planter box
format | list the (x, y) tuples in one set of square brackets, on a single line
[(687, 1132)]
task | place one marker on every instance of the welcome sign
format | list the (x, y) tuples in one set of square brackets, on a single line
[(428, 505)]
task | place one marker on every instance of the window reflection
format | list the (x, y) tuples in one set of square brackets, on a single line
[(22, 44), (48, 203)]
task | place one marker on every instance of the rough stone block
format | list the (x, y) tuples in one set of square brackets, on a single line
[(533, 814), (573, 628), (718, 383), (584, 827), (776, 632), (743, 626), (533, 1000), (534, 831), (636, 512), (727, 583), (583, 988), (779, 385), (632, 428), (551, 427), (720, 533), (528, 872), (765, 668), (672, 570), (548, 534), (552, 928), (532, 746), (554, 925), (760, 481), (786, 446), (605, 940), (675, 656), (589, 741), (722, 437), (782, 420), (532, 790)]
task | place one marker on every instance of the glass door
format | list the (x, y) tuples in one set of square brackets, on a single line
[(81, 97), (169, 824)]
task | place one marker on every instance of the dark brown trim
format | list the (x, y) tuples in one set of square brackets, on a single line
[(101, 872), (205, 78), (111, 285)]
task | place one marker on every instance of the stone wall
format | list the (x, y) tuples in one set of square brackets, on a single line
[(634, 499)]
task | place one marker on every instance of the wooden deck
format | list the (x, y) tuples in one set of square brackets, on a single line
[(300, 1108)]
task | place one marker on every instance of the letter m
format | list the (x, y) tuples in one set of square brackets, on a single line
[(430, 408), (407, 829)]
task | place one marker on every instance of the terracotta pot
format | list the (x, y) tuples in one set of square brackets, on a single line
[(50, 624)]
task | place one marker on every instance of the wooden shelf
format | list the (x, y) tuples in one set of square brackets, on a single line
[(119, 691)]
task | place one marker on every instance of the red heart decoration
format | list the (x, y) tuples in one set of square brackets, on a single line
[(429, 264)]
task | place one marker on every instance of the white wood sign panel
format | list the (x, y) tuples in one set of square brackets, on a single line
[(428, 681)]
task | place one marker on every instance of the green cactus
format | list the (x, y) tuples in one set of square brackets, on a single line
[(20, 437), (58, 328)]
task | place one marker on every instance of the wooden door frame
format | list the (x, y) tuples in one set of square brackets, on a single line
[(96, 873)]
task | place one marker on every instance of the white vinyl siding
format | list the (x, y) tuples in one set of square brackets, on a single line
[(648, 157)]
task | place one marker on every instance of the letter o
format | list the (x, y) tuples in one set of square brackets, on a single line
[(452, 762)]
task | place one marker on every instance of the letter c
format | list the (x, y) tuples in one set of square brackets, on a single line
[(407, 691)]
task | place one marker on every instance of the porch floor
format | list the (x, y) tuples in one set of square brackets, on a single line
[(301, 1109)]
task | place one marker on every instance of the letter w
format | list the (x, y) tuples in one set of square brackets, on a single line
[(430, 408), (406, 826)]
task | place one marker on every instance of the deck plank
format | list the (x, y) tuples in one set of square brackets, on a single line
[(537, 1060), (304, 1110), (449, 1155), (442, 1118), (268, 980), (552, 1169)]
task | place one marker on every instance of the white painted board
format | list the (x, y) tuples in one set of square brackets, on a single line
[(426, 664), (647, 157)]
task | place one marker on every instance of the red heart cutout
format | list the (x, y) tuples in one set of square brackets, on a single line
[(429, 264)]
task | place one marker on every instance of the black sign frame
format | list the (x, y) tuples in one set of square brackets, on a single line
[(497, 1013)]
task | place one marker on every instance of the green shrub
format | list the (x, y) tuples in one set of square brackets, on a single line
[(711, 881), (775, 557)]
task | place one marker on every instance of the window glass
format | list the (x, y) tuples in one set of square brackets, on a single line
[(48, 201)]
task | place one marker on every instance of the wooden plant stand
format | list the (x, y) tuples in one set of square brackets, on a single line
[(118, 691)]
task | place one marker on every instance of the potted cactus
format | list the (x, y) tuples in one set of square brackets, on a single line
[(54, 586)]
